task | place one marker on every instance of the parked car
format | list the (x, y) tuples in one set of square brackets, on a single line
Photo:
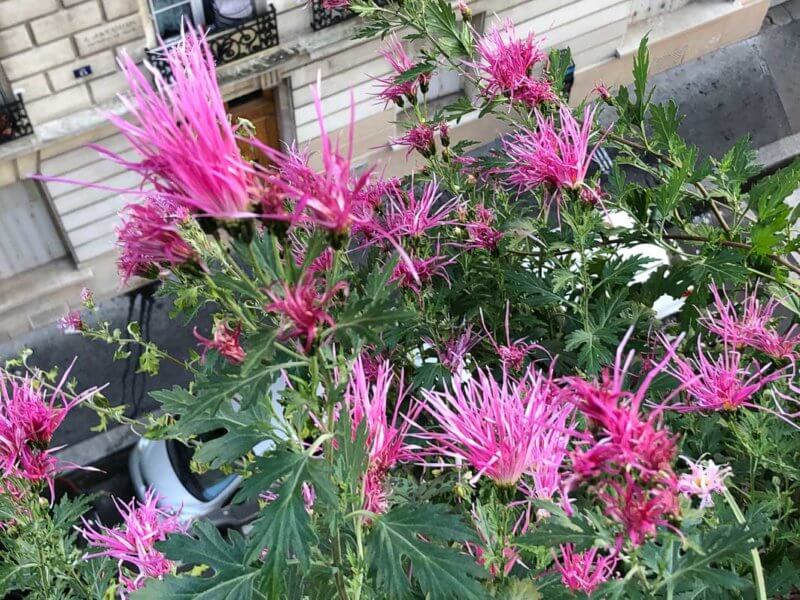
[(165, 466)]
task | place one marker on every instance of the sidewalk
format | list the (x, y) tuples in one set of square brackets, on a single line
[(752, 87)]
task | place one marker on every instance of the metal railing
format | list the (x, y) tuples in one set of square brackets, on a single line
[(230, 45), (14, 121), (322, 17)]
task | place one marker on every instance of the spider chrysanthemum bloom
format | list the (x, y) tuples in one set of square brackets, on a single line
[(182, 133), (304, 309), (368, 400), (556, 156), (72, 322), (29, 416), (724, 383), (398, 58), (225, 342), (421, 272), (452, 352), (748, 323), (511, 354), (584, 571), (497, 427), (132, 543), (421, 138), (703, 481), (413, 213), (150, 238), (505, 63)]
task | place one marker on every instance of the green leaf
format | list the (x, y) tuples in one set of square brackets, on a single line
[(454, 39), (665, 120), (736, 167), (641, 68), (558, 528), (412, 74), (284, 527), (594, 347), (233, 578), (399, 556)]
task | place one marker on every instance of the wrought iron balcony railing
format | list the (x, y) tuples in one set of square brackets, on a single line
[(322, 17), (14, 121), (232, 44)]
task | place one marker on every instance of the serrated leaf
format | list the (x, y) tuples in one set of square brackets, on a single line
[(233, 578), (558, 528), (454, 39), (395, 543)]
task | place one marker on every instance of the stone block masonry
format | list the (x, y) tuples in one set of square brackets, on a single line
[(61, 54)]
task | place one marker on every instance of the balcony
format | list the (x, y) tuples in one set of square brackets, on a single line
[(230, 45), (322, 17), (14, 121)]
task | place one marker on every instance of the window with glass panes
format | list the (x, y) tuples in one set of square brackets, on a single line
[(169, 14)]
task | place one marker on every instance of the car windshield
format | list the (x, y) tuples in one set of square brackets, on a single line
[(205, 486)]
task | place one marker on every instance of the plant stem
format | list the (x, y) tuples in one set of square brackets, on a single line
[(758, 570)]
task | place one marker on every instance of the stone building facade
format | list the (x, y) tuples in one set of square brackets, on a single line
[(58, 75)]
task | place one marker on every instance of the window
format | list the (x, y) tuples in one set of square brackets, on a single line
[(216, 14)]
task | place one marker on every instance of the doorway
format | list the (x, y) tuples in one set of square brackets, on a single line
[(260, 109)]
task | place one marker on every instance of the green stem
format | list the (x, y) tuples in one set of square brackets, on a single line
[(758, 570)]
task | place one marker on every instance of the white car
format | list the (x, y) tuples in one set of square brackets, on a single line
[(165, 466)]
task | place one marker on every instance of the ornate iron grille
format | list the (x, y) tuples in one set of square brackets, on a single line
[(232, 44), (14, 121), (322, 17)]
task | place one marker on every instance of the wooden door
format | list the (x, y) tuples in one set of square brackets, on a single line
[(261, 110)]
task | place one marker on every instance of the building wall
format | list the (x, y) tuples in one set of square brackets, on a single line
[(42, 43)]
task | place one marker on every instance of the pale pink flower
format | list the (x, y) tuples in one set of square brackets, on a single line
[(182, 132), (557, 157), (304, 309), (150, 238), (225, 342), (28, 420), (498, 428), (584, 571), (133, 542), (721, 384), (72, 322), (705, 479), (505, 64), (398, 58), (335, 4), (87, 298), (411, 214), (601, 90)]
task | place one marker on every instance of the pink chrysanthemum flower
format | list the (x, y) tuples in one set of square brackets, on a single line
[(452, 353), (87, 298), (72, 322), (512, 355), (421, 272), (584, 571), (505, 64), (627, 457), (367, 399), (327, 198), (422, 138), (133, 542), (704, 480), (750, 325), (721, 384), (499, 428), (28, 420), (411, 214), (556, 157), (182, 132), (304, 308), (225, 342), (398, 58), (150, 239), (335, 4)]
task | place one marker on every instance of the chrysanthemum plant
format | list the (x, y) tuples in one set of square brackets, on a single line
[(464, 382)]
